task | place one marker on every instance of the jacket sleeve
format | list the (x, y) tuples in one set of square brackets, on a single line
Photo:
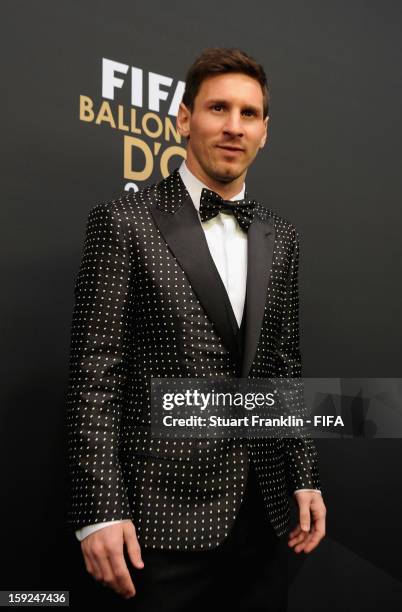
[(300, 452), (99, 367)]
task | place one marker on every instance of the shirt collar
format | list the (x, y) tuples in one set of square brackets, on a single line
[(194, 186)]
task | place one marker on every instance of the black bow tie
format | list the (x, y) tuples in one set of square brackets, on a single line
[(212, 203)]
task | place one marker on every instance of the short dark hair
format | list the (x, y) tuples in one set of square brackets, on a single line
[(217, 60)]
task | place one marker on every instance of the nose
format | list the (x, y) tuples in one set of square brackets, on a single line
[(233, 124)]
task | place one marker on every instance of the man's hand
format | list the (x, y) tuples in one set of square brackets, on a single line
[(311, 528), (104, 557)]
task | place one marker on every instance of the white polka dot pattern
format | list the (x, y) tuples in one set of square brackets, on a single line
[(137, 316)]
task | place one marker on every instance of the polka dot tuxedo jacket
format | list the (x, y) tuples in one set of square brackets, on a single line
[(149, 302)]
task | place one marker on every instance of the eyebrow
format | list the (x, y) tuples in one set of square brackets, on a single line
[(224, 102)]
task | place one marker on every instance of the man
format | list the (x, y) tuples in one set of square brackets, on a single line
[(175, 282)]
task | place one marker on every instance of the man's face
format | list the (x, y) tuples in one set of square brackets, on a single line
[(226, 128)]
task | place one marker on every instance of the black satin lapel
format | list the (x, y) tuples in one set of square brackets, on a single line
[(183, 233), (260, 246)]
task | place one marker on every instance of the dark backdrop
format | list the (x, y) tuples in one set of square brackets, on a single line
[(332, 167)]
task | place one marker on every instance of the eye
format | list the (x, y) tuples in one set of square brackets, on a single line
[(217, 106), (250, 112)]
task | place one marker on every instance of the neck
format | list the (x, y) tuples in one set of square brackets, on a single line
[(225, 189)]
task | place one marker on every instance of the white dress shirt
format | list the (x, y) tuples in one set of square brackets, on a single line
[(227, 243)]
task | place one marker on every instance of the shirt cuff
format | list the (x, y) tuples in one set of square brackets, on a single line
[(86, 531)]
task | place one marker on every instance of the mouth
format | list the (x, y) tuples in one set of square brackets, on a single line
[(231, 149)]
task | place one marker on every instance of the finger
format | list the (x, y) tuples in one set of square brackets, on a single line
[(296, 539), (88, 565), (300, 538), (304, 516), (295, 532), (312, 543), (108, 578), (122, 582), (96, 566), (103, 570), (318, 511), (300, 547), (316, 537), (319, 526), (133, 547), (102, 567), (300, 543)]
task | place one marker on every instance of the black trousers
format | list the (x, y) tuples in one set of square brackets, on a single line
[(247, 572)]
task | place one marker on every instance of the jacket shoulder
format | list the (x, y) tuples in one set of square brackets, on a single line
[(282, 225), (125, 204)]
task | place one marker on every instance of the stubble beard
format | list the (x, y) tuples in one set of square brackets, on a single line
[(227, 175)]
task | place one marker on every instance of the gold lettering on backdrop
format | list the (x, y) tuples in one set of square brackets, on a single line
[(152, 125), (167, 154), (105, 114), (130, 142), (145, 125), (140, 157), (120, 123), (170, 128), (134, 128), (86, 106)]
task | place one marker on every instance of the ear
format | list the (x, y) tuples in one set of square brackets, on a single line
[(265, 135), (183, 120)]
